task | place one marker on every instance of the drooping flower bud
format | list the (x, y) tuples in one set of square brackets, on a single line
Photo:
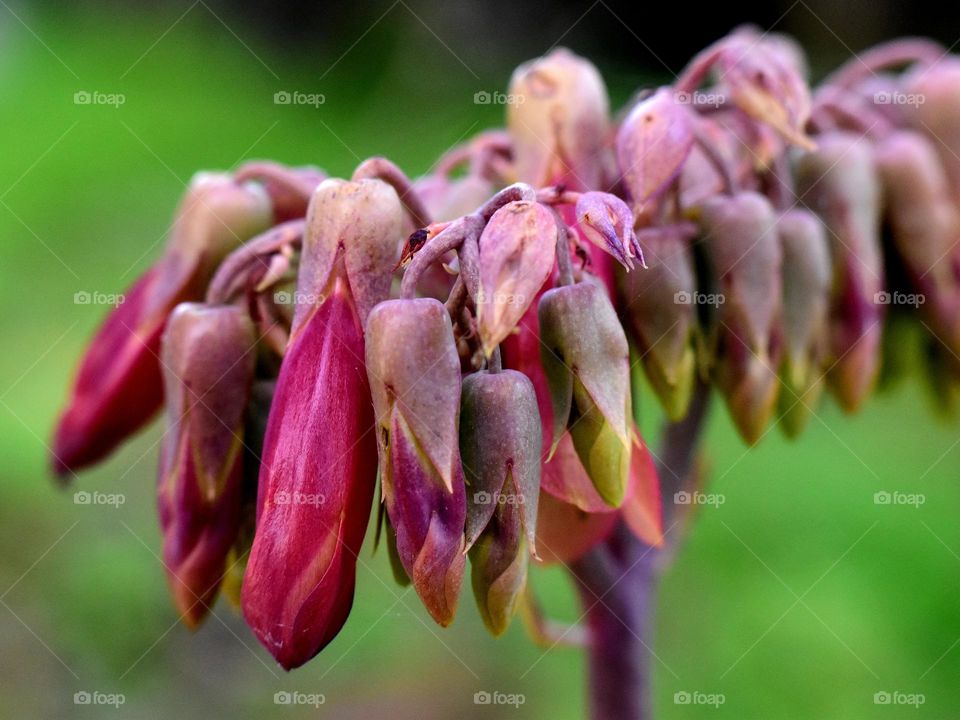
[(414, 373), (316, 485), (744, 252), (118, 386), (661, 315), (499, 559), (839, 182), (517, 250), (653, 143), (500, 446), (557, 119), (586, 360), (372, 216), (208, 358), (806, 306), (606, 221), (937, 112), (925, 226)]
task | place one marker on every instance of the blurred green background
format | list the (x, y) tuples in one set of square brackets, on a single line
[(798, 597)]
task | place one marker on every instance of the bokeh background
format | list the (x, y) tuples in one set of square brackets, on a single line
[(798, 597)]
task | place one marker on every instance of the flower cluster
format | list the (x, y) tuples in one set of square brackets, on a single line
[(469, 342)]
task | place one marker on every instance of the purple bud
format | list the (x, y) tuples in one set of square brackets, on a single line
[(517, 250), (208, 359), (937, 114), (414, 372)]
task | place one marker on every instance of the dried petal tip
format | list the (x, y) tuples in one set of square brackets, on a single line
[(208, 362), (607, 222)]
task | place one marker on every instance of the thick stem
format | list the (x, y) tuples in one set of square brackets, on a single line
[(617, 583)]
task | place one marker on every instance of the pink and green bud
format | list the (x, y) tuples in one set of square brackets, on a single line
[(586, 360), (317, 480), (806, 309), (606, 221), (517, 250), (118, 386), (660, 314), (653, 143), (499, 560), (208, 358), (355, 230), (744, 253), (414, 372), (500, 447), (558, 121), (839, 182), (924, 221)]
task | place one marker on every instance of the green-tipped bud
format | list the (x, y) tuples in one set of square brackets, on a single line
[(586, 360)]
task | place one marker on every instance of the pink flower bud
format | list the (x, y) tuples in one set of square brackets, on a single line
[(316, 485), (653, 143), (744, 252), (839, 182), (937, 114), (208, 359), (606, 221), (414, 373), (806, 307), (517, 250), (118, 386), (586, 360), (359, 224), (557, 119)]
